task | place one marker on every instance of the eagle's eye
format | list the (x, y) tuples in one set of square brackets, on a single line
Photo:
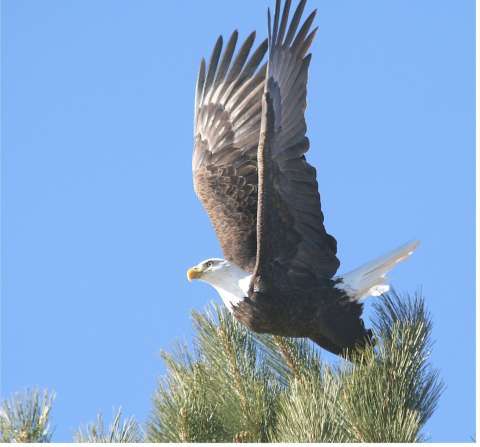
[(208, 264)]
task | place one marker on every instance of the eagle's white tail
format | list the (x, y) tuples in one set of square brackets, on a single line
[(370, 278)]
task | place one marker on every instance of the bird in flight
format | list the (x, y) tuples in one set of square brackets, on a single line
[(251, 175)]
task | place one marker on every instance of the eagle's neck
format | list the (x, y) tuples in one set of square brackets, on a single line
[(231, 283)]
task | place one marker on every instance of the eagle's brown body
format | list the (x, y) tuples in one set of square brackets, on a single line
[(322, 314)]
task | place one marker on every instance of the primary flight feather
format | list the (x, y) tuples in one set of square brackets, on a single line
[(251, 175)]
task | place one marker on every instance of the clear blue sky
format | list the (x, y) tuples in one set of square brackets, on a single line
[(100, 221)]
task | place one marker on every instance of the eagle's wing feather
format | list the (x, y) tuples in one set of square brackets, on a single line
[(227, 127), (291, 237)]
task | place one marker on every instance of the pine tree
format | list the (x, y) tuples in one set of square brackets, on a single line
[(235, 385)]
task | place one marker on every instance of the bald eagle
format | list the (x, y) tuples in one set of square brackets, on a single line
[(251, 175)]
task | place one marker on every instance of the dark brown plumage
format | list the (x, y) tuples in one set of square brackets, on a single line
[(251, 175)]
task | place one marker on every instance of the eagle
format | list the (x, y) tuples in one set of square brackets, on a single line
[(278, 275)]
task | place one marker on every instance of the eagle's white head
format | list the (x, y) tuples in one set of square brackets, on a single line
[(230, 281)]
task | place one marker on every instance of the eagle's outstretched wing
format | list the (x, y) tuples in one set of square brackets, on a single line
[(227, 129), (291, 237)]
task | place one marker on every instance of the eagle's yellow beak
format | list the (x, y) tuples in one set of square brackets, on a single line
[(194, 273)]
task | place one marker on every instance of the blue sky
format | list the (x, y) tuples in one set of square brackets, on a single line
[(100, 221)]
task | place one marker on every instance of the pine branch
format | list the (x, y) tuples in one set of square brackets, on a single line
[(223, 386), (117, 432), (25, 417), (307, 409), (184, 409), (391, 394), (246, 387)]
